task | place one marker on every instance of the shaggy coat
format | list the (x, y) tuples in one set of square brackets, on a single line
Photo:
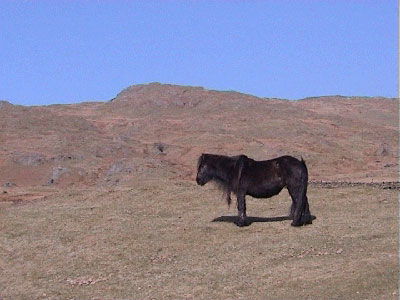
[(259, 179)]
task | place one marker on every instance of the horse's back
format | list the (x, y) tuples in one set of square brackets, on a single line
[(272, 175), (279, 164), (291, 165)]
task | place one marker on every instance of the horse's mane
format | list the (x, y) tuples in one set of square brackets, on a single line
[(223, 172)]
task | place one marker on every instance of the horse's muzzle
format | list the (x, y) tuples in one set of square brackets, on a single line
[(199, 181)]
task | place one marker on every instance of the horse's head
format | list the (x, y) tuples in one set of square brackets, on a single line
[(203, 171)]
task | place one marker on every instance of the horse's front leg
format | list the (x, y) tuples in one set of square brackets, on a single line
[(241, 206)]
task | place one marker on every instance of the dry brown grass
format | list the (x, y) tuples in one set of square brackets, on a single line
[(122, 221), (157, 240)]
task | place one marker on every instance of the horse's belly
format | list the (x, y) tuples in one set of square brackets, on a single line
[(265, 192), (261, 184)]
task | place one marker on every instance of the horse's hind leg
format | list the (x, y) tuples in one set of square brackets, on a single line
[(307, 218), (292, 209), (299, 211), (293, 192)]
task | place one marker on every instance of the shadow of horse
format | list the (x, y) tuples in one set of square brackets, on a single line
[(250, 220)]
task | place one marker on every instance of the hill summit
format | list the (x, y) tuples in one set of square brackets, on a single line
[(154, 130)]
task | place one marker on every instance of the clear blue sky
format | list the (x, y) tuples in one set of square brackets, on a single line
[(74, 51)]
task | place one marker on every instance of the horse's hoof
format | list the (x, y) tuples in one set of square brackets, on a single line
[(242, 223), (296, 224), (308, 222)]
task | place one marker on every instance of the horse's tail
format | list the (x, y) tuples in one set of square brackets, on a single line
[(302, 214)]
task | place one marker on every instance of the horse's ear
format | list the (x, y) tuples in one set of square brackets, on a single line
[(203, 157), (200, 160)]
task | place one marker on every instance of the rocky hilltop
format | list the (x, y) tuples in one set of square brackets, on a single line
[(158, 130)]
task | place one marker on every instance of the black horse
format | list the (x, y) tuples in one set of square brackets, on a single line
[(260, 179)]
